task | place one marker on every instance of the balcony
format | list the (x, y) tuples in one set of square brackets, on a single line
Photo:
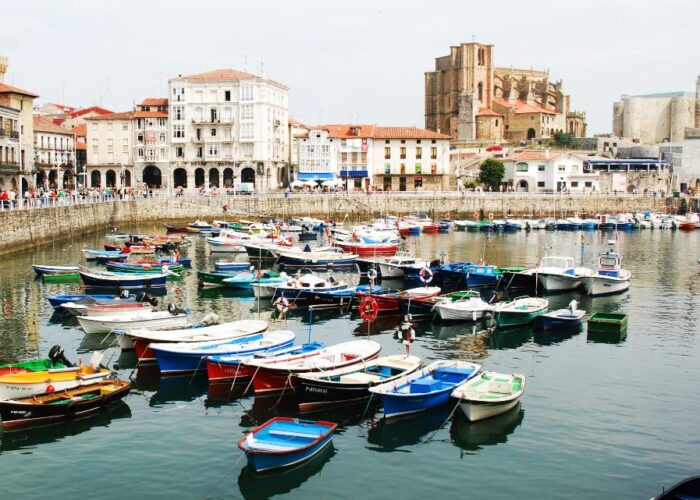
[(353, 173), (14, 134), (209, 120), (9, 167)]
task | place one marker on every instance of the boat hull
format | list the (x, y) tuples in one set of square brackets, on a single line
[(94, 324), (505, 319), (451, 314), (559, 283), (478, 410), (598, 286), (59, 382), (546, 322), (137, 281)]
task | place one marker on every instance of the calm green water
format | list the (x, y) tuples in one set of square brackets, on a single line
[(614, 419)]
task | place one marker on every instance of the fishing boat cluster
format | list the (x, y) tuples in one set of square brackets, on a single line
[(276, 263)]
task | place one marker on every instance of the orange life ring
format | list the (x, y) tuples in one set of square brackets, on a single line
[(475, 215), (490, 216), (369, 309), (426, 275)]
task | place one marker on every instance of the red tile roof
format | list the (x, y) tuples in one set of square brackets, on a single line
[(294, 121), (532, 155), (522, 107), (58, 121), (407, 133), (63, 107), (91, 109), (342, 131), (224, 75), (44, 125), (125, 115), (9, 89), (150, 114), (154, 101), (80, 130), (487, 112)]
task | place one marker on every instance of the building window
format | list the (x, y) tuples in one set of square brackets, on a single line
[(178, 131), (387, 168), (433, 153), (140, 152), (178, 113), (540, 184), (125, 126), (227, 95), (562, 168), (588, 184), (419, 153), (200, 152), (417, 182), (480, 91), (521, 167), (574, 184), (402, 152), (497, 122), (541, 168), (419, 168), (213, 132), (402, 169), (386, 141), (433, 168), (139, 137), (213, 150), (179, 152), (214, 115), (387, 153), (574, 168)]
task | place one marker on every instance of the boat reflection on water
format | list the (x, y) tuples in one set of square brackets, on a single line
[(60, 317), (605, 303), (97, 342), (170, 389), (221, 394), (607, 337), (462, 340), (390, 435), (29, 438), (269, 484), (554, 337), (473, 436), (510, 338), (126, 360), (264, 408), (383, 324)]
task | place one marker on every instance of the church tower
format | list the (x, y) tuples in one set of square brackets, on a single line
[(4, 63)]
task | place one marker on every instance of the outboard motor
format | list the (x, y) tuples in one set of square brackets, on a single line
[(147, 297), (56, 355), (124, 294), (175, 310)]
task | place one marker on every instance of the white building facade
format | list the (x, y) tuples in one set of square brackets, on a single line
[(110, 150), (9, 147), (54, 155), (151, 144), (549, 172), (227, 128)]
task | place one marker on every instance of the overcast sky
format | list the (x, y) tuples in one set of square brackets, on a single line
[(360, 60)]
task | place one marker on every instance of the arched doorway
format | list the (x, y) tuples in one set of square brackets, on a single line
[(52, 178), (228, 177), (151, 176), (531, 134), (248, 175), (180, 178), (95, 178), (68, 179), (199, 177), (631, 188), (40, 179), (127, 178), (214, 177), (110, 178), (523, 186), (25, 186)]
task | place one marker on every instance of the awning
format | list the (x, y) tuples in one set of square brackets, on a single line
[(315, 176)]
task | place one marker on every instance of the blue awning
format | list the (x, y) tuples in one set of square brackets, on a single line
[(315, 176)]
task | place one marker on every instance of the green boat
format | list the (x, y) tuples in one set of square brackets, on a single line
[(520, 311), (213, 278), (486, 225), (35, 365), (607, 323), (61, 278)]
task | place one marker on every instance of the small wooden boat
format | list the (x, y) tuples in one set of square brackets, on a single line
[(607, 323), (92, 254), (687, 489), (230, 369), (42, 270), (57, 301), (175, 229), (124, 321), (304, 288), (369, 249), (141, 338), (569, 317), (142, 249), (145, 267), (114, 307), (559, 274), (424, 389), (199, 226), (207, 279), (230, 266), (122, 280), (22, 385), (62, 405), (469, 308), (520, 311), (394, 266), (315, 259), (274, 376), (282, 442), (243, 281), (350, 385), (188, 357), (489, 394), (35, 365), (61, 278), (388, 301)]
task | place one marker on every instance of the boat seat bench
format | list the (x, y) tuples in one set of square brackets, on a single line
[(274, 432)]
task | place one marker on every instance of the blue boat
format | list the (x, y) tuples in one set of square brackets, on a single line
[(224, 266), (244, 281), (482, 275), (93, 254), (444, 227), (42, 270), (344, 295), (568, 318), (309, 258), (425, 389), (176, 358), (308, 236), (108, 279), (57, 301), (283, 442), (183, 261), (563, 225), (589, 225), (449, 277)]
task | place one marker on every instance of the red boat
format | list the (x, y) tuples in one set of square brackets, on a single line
[(279, 376), (430, 228), (369, 249), (388, 300), (175, 229), (686, 226)]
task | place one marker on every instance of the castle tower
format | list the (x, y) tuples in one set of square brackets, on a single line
[(4, 63)]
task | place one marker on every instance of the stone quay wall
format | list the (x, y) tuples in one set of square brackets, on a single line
[(27, 228)]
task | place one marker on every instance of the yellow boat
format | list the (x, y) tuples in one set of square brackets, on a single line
[(22, 385)]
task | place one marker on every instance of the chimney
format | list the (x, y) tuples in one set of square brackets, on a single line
[(4, 63)]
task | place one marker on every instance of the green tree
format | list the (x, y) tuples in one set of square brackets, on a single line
[(563, 139), (491, 173)]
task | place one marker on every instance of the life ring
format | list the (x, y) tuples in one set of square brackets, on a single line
[(490, 216), (372, 274), (368, 309), (355, 237), (541, 213), (475, 215), (282, 304), (426, 275)]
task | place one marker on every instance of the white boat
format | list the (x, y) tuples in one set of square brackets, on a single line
[(263, 290), (224, 245), (519, 311), (153, 320), (113, 308), (470, 309), (193, 333), (489, 394), (559, 274), (393, 267), (609, 278)]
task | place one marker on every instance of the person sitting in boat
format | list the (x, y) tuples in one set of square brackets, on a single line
[(406, 334), (282, 306)]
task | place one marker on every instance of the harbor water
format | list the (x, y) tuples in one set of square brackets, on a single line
[(602, 417)]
